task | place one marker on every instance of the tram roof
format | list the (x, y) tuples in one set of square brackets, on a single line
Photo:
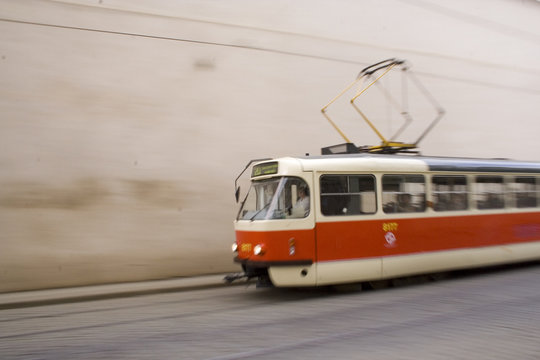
[(419, 163)]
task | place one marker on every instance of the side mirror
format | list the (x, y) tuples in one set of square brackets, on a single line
[(237, 191)]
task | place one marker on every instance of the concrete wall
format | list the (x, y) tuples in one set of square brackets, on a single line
[(124, 123)]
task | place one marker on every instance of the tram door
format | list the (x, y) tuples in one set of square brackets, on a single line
[(346, 232)]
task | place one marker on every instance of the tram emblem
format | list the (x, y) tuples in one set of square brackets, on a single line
[(390, 240)]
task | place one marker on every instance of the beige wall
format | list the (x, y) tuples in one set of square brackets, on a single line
[(124, 123)]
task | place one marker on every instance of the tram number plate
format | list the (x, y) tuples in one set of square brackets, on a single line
[(245, 248), (391, 226)]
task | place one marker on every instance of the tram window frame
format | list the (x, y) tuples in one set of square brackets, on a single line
[(450, 193), (341, 196), (489, 192), (522, 196), (400, 196), (275, 198)]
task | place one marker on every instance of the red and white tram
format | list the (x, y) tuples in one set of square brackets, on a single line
[(357, 214), (334, 219)]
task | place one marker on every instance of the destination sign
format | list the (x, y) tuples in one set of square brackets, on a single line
[(269, 168)]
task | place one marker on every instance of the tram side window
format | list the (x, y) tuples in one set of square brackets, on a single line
[(403, 193), (347, 194), (489, 192), (524, 191), (449, 193)]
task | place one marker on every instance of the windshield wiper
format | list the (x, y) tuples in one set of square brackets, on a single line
[(263, 208)]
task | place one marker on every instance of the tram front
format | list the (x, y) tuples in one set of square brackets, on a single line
[(275, 237)]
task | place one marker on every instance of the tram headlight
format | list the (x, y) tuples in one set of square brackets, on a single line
[(259, 249), (234, 247)]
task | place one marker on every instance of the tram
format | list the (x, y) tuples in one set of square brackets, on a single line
[(370, 217), (356, 214)]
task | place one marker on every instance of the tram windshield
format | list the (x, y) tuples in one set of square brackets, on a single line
[(276, 198)]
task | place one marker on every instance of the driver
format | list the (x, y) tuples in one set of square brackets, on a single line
[(301, 208)]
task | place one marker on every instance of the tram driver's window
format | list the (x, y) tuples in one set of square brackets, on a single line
[(403, 193), (449, 193), (347, 195), (524, 191), (489, 192)]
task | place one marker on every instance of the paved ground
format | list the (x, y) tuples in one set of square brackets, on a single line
[(482, 315)]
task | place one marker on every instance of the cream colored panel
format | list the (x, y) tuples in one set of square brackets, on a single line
[(293, 275), (459, 259), (275, 225), (336, 272)]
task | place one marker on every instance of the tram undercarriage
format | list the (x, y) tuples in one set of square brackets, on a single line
[(252, 272)]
